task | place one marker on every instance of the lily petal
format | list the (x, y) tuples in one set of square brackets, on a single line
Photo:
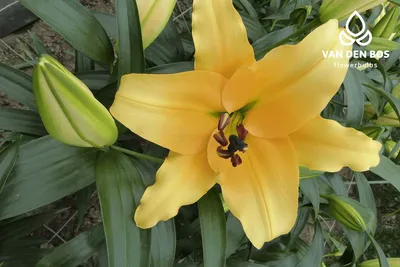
[(181, 180), (290, 85), (326, 145), (154, 15), (262, 192), (172, 110), (220, 37)]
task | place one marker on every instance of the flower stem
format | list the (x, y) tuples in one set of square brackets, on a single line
[(370, 182), (310, 26), (136, 154)]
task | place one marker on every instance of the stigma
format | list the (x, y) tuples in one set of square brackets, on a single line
[(229, 147)]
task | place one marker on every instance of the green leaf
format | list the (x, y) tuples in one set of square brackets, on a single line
[(109, 23), (95, 80), (383, 44), (167, 48), (311, 190), (306, 173), (383, 262), (83, 63), (355, 98), (82, 203), (389, 171), (130, 46), (365, 193), (315, 252), (120, 187), (213, 229), (301, 222), (163, 244), (21, 121), (17, 85), (20, 227), (254, 28), (46, 170), (172, 68), (235, 235), (8, 157), (76, 251), (262, 45), (77, 25), (39, 46)]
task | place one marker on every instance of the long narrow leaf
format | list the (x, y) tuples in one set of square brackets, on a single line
[(8, 157), (77, 25), (213, 229), (46, 170), (130, 46), (21, 121), (17, 85), (75, 251), (120, 188)]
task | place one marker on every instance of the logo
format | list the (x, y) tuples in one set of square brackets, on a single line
[(348, 37)]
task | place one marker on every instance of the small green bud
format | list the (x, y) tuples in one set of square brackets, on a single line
[(393, 262), (351, 213), (389, 119), (369, 111), (342, 9), (386, 26), (69, 111), (389, 146)]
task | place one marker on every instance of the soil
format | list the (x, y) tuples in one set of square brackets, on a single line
[(18, 50)]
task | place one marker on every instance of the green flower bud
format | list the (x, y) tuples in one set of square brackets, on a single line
[(390, 119), (342, 9), (389, 146), (386, 26), (351, 213), (393, 262), (369, 111), (68, 109)]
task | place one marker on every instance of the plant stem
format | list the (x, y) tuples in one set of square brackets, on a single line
[(136, 154), (370, 182)]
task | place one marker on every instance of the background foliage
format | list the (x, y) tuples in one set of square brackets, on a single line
[(36, 170)]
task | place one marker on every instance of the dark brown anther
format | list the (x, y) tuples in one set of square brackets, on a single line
[(242, 132), (220, 138), (236, 160), (223, 121), (223, 153)]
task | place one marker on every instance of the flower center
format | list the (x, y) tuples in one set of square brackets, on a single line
[(229, 147)]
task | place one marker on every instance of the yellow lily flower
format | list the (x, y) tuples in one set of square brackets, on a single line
[(154, 14), (262, 117)]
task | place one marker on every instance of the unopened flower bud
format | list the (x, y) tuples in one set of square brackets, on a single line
[(389, 146), (351, 213), (386, 26), (69, 111), (342, 9)]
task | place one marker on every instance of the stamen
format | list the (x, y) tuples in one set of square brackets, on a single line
[(236, 160), (223, 153), (242, 132), (223, 121), (220, 138)]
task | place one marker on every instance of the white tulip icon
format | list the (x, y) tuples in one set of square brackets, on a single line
[(363, 37)]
